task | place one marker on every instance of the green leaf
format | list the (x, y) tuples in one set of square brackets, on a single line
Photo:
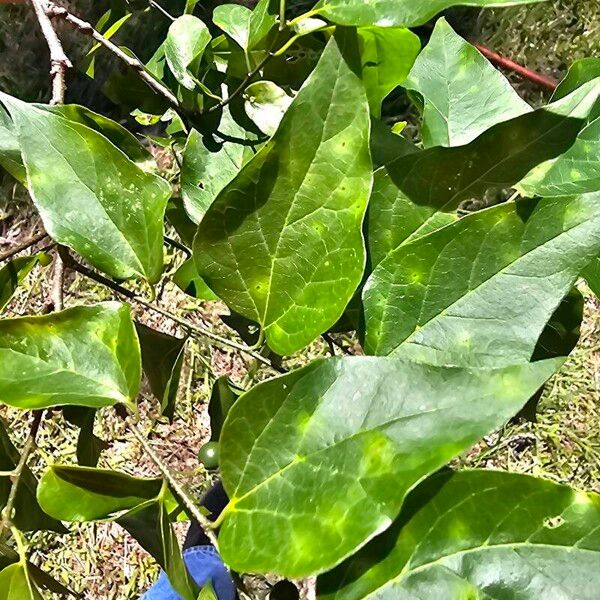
[(282, 244), (10, 153), (81, 494), (13, 273), (117, 134), (246, 27), (187, 279), (308, 488), (83, 356), (387, 56), (186, 41), (92, 197), (480, 534), (580, 72), (592, 276), (28, 516), (265, 104), (577, 171), (208, 166), (89, 445), (480, 291), (397, 13), (463, 94), (436, 180), (150, 525), (16, 583), (393, 219), (208, 592), (8, 556), (223, 396), (162, 358)]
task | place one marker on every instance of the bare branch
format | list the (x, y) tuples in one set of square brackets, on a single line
[(7, 512), (132, 62), (58, 59), (25, 245)]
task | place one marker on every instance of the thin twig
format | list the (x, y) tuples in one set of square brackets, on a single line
[(132, 62), (192, 328), (7, 512), (282, 8), (58, 283), (25, 245), (160, 9), (238, 90), (178, 245), (175, 486), (58, 59)]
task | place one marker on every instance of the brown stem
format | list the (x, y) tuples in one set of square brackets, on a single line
[(59, 63), (192, 328), (7, 512), (25, 245), (87, 29), (175, 486), (58, 59), (238, 90)]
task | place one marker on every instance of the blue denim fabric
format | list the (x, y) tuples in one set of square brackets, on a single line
[(204, 564)]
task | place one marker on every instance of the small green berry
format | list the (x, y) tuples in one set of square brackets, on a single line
[(208, 455)]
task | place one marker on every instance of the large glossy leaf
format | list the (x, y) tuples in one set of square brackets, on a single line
[(397, 13), (162, 359), (414, 190), (10, 153), (480, 534), (282, 243), (117, 134), (308, 488), (13, 273), (463, 94), (394, 219), (16, 583), (246, 27), (186, 41), (208, 166), (28, 516), (81, 494), (481, 290), (90, 195), (387, 56), (84, 356), (577, 171)]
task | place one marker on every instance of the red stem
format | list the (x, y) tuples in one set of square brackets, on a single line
[(511, 65)]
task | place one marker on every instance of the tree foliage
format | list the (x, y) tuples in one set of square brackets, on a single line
[(302, 210)]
